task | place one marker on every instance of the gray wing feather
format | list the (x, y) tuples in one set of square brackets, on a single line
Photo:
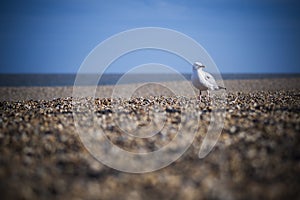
[(210, 81)]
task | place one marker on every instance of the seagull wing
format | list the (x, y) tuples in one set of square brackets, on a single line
[(210, 81)]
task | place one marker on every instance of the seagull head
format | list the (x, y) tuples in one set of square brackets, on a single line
[(198, 65)]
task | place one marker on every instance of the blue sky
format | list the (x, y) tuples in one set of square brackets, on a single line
[(242, 36)]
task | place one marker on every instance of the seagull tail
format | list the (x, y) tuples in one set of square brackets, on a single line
[(220, 87)]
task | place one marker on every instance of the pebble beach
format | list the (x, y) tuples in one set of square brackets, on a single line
[(257, 155)]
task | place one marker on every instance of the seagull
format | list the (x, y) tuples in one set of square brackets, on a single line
[(203, 80)]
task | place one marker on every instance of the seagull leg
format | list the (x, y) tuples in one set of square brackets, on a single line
[(200, 95), (208, 94)]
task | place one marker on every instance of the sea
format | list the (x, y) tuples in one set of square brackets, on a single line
[(29, 80)]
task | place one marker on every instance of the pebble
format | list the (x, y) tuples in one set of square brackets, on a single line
[(233, 129)]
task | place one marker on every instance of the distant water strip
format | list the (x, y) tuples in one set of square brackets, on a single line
[(29, 80)]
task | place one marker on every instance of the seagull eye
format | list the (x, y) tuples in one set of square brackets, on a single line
[(208, 77)]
